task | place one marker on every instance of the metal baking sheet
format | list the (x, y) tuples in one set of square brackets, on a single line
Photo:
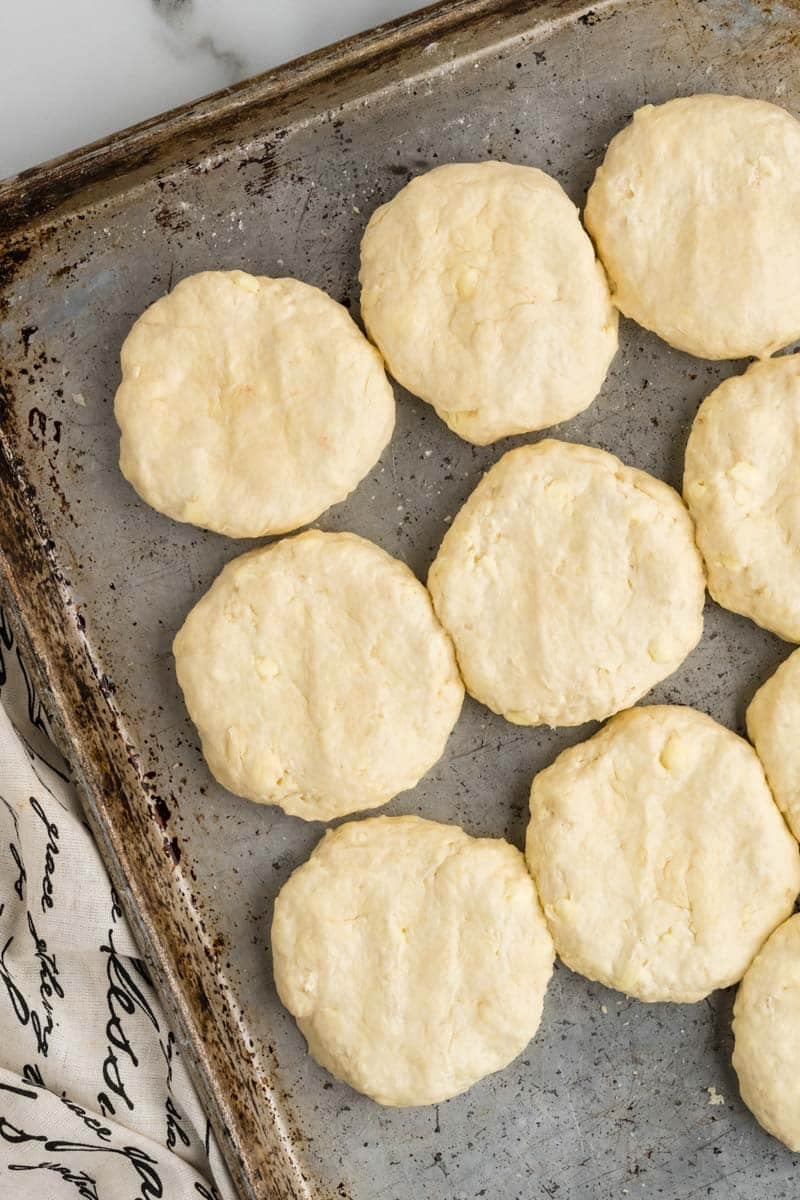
[(279, 176)]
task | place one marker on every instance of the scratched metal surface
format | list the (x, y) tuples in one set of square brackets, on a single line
[(612, 1096)]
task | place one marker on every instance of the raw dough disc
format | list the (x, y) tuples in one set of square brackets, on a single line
[(741, 484), (766, 1029), (249, 405), (415, 958), (570, 584), (695, 212), (318, 676), (484, 295), (773, 726), (661, 860)]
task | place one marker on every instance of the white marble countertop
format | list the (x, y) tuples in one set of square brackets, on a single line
[(75, 70)]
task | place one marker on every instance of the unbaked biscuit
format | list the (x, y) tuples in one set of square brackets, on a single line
[(741, 484), (570, 584), (249, 405), (766, 1030), (695, 212), (482, 291), (661, 860), (773, 726), (415, 958), (318, 676)]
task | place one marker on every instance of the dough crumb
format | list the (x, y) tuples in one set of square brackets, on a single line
[(715, 1097)]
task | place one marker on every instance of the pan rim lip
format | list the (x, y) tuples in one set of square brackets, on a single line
[(27, 196)]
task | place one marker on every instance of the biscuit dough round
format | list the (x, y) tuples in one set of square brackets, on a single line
[(570, 584), (766, 1030), (415, 958), (482, 290), (773, 726), (661, 860), (249, 405), (318, 676), (695, 212), (741, 484)]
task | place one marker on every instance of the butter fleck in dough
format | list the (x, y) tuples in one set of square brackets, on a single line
[(318, 676), (249, 405), (695, 212), (773, 726), (414, 958), (741, 484), (766, 1030), (482, 290), (661, 860), (570, 584)]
